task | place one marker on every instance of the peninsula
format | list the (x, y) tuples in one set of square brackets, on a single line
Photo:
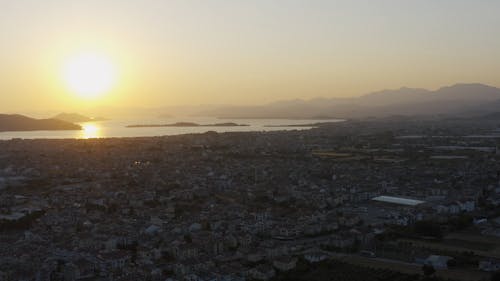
[(16, 122)]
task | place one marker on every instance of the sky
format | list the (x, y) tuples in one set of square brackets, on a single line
[(187, 52)]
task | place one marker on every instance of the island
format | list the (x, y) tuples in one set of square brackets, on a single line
[(17, 122), (188, 124), (302, 125), (77, 118)]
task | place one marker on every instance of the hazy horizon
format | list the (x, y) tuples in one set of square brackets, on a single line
[(186, 110), (178, 53)]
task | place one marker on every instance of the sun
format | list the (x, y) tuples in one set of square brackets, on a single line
[(89, 75), (90, 130)]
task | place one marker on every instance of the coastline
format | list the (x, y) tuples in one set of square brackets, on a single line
[(118, 129)]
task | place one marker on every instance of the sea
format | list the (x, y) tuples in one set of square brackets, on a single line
[(117, 128)]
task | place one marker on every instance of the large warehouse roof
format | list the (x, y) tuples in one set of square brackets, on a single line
[(398, 200)]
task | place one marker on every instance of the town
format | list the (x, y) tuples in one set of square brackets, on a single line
[(394, 198)]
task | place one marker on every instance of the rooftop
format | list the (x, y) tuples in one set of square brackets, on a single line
[(397, 200)]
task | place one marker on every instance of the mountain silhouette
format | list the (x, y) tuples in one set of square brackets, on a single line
[(449, 100), (16, 122)]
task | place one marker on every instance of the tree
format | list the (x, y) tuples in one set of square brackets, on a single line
[(428, 228), (187, 238), (495, 276), (428, 270)]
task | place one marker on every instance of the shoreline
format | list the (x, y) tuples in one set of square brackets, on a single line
[(145, 131), (307, 128)]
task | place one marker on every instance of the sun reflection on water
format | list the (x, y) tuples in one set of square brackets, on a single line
[(90, 131)]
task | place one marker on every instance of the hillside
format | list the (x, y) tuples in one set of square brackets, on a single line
[(16, 122), (457, 99)]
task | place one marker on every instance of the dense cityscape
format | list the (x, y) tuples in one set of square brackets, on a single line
[(233, 140), (384, 199)]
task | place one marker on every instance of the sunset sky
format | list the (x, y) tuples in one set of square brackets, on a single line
[(164, 53)]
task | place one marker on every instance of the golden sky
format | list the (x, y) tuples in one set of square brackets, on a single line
[(187, 52)]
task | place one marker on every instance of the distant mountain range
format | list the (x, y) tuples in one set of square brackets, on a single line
[(16, 122), (77, 118), (459, 99)]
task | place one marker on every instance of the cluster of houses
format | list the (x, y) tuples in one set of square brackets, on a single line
[(232, 206)]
